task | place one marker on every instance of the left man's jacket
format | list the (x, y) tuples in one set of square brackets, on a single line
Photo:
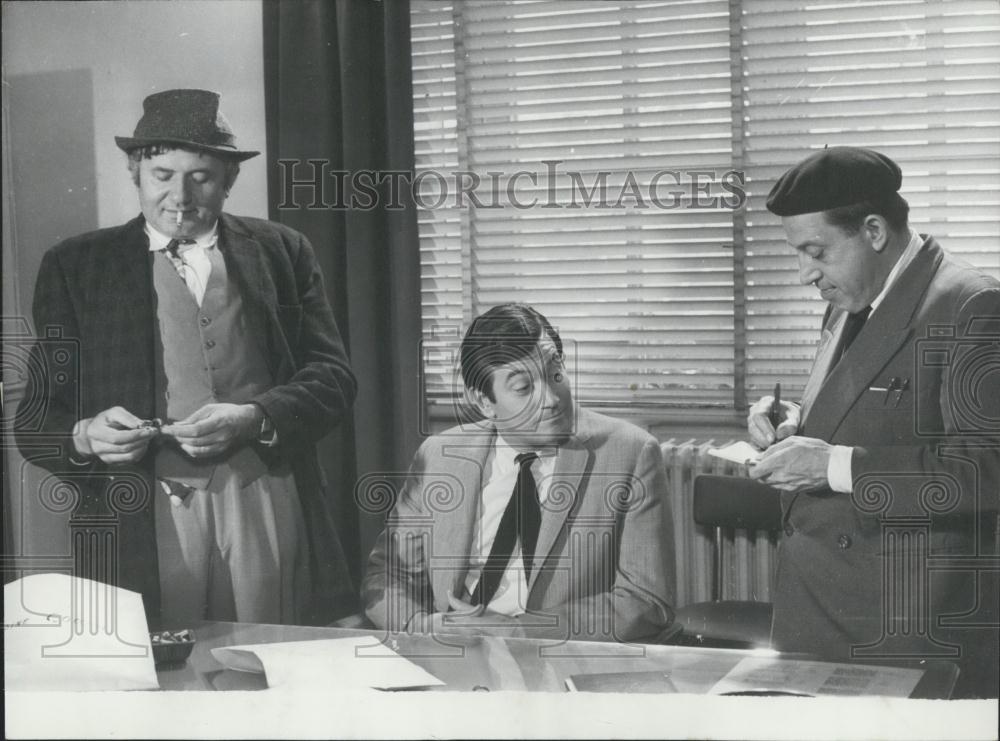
[(96, 292)]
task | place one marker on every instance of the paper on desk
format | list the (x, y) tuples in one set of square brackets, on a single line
[(818, 678), (738, 452), (342, 663), (66, 633)]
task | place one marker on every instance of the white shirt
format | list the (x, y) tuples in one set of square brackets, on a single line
[(501, 475), (194, 264), (838, 470)]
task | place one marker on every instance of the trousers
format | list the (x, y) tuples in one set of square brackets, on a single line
[(234, 555)]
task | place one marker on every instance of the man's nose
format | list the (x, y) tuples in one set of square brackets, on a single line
[(808, 273), (181, 191)]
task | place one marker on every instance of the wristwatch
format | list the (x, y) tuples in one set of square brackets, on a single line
[(267, 435)]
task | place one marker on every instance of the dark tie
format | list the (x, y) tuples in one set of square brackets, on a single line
[(521, 519), (174, 244), (852, 326), (180, 264)]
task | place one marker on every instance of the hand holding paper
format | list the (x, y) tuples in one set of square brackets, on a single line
[(795, 464)]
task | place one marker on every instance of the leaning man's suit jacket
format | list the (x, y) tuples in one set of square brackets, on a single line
[(604, 556), (869, 570), (96, 291)]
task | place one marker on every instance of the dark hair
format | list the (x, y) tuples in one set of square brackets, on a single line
[(504, 334), (893, 208), (151, 150)]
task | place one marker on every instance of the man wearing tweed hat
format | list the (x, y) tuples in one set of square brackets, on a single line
[(890, 467), (210, 365)]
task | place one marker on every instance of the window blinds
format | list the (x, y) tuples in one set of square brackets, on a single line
[(916, 79), (689, 304), (575, 94), (444, 267)]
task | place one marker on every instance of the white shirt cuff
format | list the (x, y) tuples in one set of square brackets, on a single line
[(838, 470)]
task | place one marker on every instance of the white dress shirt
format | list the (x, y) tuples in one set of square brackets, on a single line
[(501, 474), (193, 265), (838, 470)]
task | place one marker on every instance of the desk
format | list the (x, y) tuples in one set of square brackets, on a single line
[(464, 663)]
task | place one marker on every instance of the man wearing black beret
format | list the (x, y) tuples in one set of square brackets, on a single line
[(210, 364), (889, 468)]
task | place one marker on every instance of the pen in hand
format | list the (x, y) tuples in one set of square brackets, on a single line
[(774, 415)]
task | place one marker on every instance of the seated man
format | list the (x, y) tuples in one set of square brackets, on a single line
[(547, 520)]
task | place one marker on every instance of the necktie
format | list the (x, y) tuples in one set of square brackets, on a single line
[(186, 271), (828, 357), (521, 519), (852, 326)]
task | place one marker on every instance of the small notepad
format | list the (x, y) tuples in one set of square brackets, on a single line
[(739, 452)]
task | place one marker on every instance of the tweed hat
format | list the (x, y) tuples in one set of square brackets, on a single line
[(186, 117), (834, 177)]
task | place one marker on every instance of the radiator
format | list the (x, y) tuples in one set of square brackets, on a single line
[(749, 559)]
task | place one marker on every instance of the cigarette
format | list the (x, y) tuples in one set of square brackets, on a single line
[(180, 217)]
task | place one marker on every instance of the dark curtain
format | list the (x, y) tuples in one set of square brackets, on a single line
[(338, 91)]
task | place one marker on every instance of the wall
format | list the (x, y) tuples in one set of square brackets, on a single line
[(129, 49), (136, 48), (75, 75)]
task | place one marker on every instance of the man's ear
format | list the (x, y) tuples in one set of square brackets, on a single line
[(482, 402), (877, 230), (232, 172)]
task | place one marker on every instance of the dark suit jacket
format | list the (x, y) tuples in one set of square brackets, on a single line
[(931, 452), (97, 291), (605, 548)]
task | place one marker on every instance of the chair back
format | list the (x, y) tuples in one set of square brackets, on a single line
[(738, 503)]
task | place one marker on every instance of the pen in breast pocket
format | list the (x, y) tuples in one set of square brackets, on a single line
[(900, 388), (897, 385)]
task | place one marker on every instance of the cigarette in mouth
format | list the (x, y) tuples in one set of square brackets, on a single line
[(180, 217)]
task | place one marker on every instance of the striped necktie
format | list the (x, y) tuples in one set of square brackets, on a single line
[(186, 272), (173, 248)]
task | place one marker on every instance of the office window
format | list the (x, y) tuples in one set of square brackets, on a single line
[(917, 80), (601, 146)]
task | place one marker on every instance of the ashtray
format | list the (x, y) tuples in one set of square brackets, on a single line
[(171, 646)]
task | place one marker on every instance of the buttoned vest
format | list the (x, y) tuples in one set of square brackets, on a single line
[(208, 355)]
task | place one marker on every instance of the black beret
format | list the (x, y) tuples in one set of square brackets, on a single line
[(838, 176)]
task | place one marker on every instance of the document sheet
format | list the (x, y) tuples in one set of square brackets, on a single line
[(817, 678), (340, 663), (66, 633)]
